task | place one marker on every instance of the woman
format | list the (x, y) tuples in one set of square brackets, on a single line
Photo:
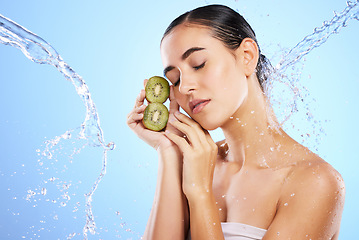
[(258, 183)]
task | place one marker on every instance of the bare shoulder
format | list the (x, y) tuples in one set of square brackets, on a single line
[(317, 176), (313, 195)]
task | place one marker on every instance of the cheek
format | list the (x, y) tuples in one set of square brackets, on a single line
[(229, 84), (221, 77)]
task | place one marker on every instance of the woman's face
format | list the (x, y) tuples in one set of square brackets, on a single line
[(208, 79)]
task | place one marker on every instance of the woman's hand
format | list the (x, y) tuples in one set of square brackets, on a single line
[(199, 154), (154, 139)]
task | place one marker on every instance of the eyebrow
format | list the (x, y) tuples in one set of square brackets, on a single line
[(185, 55)]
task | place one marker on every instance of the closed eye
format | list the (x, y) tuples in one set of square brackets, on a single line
[(199, 66), (196, 68)]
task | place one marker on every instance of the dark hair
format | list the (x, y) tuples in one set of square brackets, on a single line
[(227, 26)]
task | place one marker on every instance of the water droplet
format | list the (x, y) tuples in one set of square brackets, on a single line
[(43, 191), (285, 204), (52, 179), (111, 146), (292, 195)]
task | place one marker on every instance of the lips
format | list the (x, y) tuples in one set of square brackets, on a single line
[(197, 105)]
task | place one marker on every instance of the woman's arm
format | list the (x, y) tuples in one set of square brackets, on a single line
[(199, 157), (169, 214), (311, 205)]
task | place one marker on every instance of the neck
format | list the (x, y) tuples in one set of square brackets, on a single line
[(249, 135)]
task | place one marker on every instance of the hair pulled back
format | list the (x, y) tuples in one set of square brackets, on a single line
[(227, 26)]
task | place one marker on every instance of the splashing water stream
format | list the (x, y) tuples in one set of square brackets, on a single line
[(39, 51), (286, 71)]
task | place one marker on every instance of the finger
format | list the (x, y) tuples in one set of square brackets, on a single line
[(133, 117), (140, 98), (140, 109), (189, 132), (193, 125), (137, 117), (145, 82), (210, 140), (174, 106), (179, 141), (136, 114)]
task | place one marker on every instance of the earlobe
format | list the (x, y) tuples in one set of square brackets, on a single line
[(250, 54)]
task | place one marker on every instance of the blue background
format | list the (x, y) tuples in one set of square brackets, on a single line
[(114, 45)]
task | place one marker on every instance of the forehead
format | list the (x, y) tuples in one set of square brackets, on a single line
[(183, 37)]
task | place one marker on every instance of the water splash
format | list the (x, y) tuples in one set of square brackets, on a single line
[(319, 36), (286, 75), (39, 51)]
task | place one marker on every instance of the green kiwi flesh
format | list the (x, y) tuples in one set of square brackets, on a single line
[(155, 116), (157, 90)]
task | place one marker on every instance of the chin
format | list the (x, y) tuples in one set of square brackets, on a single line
[(205, 123), (208, 125)]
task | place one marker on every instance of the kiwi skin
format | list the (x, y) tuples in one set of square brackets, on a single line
[(155, 116), (159, 85)]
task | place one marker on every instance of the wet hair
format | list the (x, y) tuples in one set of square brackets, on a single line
[(227, 26)]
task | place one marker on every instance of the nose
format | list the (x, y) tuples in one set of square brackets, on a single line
[(187, 84)]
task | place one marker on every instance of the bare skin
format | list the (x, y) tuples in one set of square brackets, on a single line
[(258, 175)]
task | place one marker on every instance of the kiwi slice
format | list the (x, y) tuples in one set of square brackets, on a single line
[(155, 116), (157, 90)]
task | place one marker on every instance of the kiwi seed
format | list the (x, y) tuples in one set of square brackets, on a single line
[(155, 116), (157, 90)]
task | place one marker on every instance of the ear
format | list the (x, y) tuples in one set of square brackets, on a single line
[(249, 55)]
